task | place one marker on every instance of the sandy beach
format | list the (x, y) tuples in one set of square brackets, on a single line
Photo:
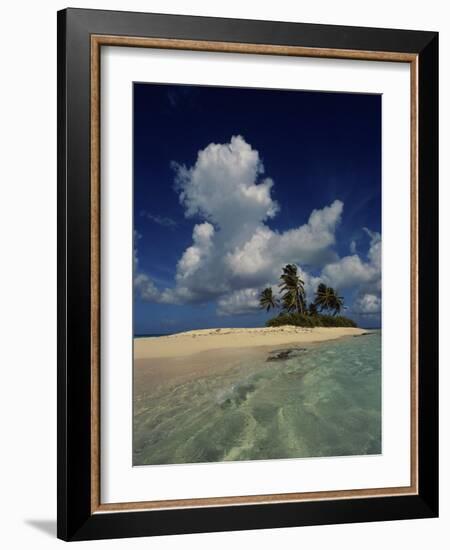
[(198, 341), (188, 355)]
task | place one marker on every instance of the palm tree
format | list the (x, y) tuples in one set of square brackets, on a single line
[(337, 302), (323, 299), (267, 300), (293, 289), (327, 298), (312, 309)]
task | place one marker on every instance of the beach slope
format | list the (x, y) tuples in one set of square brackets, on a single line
[(198, 341)]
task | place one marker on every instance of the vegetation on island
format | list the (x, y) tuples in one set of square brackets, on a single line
[(323, 311)]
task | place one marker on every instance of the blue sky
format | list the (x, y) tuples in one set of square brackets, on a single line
[(232, 183)]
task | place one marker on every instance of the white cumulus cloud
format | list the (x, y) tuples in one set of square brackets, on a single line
[(309, 244), (146, 288), (367, 304), (351, 271), (224, 185), (197, 254), (239, 302)]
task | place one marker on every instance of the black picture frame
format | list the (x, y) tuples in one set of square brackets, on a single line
[(75, 518)]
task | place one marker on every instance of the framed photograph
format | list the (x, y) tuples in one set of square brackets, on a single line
[(247, 256)]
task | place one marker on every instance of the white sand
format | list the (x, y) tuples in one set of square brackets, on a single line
[(198, 341)]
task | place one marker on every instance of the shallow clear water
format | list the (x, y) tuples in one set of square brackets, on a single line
[(324, 401)]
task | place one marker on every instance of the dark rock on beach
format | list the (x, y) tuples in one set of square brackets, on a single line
[(283, 354)]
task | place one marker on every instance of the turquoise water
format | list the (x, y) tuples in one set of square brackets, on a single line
[(323, 400)]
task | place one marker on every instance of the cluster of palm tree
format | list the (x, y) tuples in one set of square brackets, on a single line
[(293, 297)]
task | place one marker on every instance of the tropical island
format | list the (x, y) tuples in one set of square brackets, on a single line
[(294, 308), (297, 323)]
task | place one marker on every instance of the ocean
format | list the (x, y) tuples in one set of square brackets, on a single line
[(320, 400)]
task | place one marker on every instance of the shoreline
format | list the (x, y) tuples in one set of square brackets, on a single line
[(192, 342)]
